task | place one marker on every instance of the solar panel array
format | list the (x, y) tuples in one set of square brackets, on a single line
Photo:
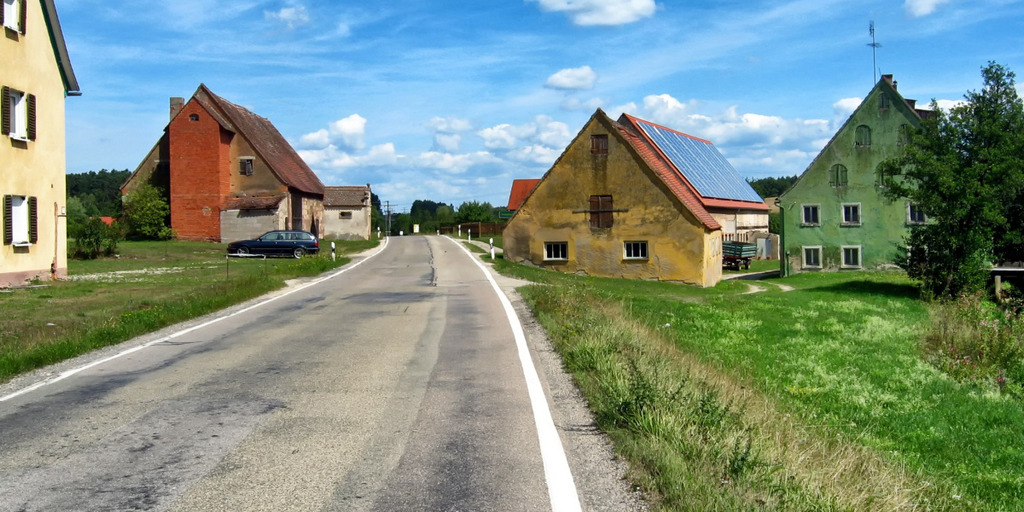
[(701, 164)]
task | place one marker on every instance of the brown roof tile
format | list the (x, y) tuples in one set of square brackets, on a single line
[(272, 147), (347, 196)]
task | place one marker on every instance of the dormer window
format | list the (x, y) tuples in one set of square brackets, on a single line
[(13, 15)]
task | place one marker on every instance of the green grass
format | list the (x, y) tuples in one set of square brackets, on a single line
[(151, 285), (826, 383)]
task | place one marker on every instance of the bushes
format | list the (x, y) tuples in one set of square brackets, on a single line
[(93, 237), (975, 341)]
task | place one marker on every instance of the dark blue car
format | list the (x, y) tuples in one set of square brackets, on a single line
[(278, 243)]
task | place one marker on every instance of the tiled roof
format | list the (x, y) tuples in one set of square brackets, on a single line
[(699, 165), (520, 189), (672, 179), (347, 196), (265, 140), (254, 203)]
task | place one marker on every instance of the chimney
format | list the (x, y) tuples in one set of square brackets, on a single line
[(176, 105)]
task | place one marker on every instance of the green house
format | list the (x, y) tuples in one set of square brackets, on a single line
[(835, 217)]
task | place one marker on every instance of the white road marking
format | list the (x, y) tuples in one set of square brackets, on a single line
[(561, 486), (169, 337)]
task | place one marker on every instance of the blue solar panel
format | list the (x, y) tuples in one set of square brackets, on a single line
[(701, 164)]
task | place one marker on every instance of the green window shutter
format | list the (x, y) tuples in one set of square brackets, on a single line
[(5, 107), (33, 220), (8, 219), (31, 117)]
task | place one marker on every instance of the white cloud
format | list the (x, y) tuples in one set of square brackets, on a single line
[(577, 104), (447, 141), (542, 130), (291, 16), (946, 105), (572, 79), (536, 154), (350, 130), (449, 125), (453, 163), (318, 139), (601, 12), (332, 157), (918, 8)]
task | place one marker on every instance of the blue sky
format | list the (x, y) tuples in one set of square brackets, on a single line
[(451, 101)]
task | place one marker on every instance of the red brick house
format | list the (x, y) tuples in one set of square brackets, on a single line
[(228, 173)]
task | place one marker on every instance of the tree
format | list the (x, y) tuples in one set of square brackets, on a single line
[(965, 171), (145, 214), (772, 187), (474, 211)]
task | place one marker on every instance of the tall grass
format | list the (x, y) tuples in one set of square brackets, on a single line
[(814, 399)]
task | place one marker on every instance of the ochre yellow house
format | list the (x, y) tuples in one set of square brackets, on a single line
[(631, 199), (35, 77)]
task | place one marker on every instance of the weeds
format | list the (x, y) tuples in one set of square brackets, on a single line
[(977, 342)]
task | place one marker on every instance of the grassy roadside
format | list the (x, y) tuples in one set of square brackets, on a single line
[(815, 399), (151, 285)]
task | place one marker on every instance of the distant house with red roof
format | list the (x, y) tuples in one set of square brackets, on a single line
[(634, 199), (347, 212), (520, 189), (229, 173)]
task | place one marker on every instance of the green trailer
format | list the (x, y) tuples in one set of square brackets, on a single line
[(736, 254)]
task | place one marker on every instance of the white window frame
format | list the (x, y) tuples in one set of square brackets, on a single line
[(860, 214), (842, 256), (803, 214), (12, 15), (548, 246), (20, 221), (635, 245), (803, 256), (17, 102), (910, 218)]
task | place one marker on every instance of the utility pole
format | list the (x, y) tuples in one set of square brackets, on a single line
[(387, 208)]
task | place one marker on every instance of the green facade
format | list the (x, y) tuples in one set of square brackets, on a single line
[(835, 216)]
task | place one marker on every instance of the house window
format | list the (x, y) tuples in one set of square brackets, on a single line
[(812, 257), (345, 215), (810, 215), (193, 117), (883, 102), (18, 113), (903, 135), (915, 215), (20, 220), (13, 15), (245, 165), (837, 175), (599, 144), (863, 136), (635, 250), (558, 251), (601, 211), (851, 214), (851, 256)]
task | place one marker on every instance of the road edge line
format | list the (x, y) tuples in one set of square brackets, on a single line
[(557, 474)]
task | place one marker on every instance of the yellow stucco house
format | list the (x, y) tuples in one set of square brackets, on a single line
[(632, 199), (35, 77)]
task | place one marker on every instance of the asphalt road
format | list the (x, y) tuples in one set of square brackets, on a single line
[(396, 384)]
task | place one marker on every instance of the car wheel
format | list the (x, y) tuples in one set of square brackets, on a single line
[(298, 252), (242, 251)]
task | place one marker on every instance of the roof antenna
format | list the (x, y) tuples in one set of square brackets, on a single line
[(874, 47)]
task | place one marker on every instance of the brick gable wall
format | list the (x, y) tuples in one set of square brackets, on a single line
[(200, 173)]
